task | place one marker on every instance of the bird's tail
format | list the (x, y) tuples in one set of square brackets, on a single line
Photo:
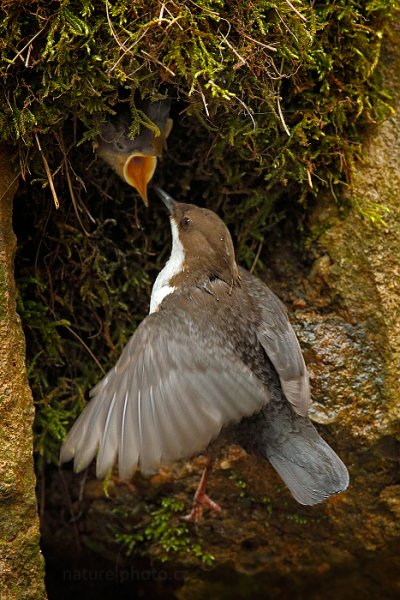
[(307, 464)]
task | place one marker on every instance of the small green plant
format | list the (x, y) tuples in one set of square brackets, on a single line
[(239, 482), (298, 519), (244, 493), (165, 531), (266, 501)]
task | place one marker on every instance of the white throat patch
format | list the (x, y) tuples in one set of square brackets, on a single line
[(162, 287)]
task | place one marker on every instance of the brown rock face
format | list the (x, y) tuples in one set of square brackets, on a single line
[(21, 564)]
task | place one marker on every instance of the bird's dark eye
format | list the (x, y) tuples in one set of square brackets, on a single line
[(186, 222)]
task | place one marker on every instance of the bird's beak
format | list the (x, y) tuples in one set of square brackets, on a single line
[(138, 171), (166, 198)]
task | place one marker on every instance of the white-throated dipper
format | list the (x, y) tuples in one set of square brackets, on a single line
[(216, 354), (135, 160)]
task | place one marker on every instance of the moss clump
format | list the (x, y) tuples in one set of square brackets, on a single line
[(281, 91), (80, 298), (162, 529)]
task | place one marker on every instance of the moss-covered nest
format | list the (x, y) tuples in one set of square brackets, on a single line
[(281, 91), (271, 102)]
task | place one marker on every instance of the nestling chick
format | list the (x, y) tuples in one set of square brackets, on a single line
[(135, 160)]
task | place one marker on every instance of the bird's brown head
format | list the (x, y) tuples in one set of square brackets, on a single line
[(205, 242)]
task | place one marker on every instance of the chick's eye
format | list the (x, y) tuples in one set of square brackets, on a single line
[(186, 222)]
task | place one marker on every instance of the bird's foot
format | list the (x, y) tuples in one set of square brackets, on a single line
[(200, 502)]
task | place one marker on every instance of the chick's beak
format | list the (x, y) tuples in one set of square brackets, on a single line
[(138, 171)]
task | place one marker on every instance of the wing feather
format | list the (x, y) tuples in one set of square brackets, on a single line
[(168, 396), (279, 341), (129, 448), (108, 447)]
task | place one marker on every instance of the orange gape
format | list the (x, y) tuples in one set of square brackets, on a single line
[(138, 171)]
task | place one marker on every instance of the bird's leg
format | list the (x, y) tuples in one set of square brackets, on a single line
[(201, 500)]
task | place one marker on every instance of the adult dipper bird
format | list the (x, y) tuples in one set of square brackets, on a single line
[(135, 160), (216, 354)]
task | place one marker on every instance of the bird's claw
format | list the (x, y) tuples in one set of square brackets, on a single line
[(200, 502)]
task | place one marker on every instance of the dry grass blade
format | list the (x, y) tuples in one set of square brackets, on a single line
[(48, 172), (298, 13), (285, 127)]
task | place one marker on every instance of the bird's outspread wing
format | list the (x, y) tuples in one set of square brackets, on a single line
[(167, 397), (279, 341)]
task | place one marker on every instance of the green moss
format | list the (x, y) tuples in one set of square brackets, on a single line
[(80, 298), (251, 72), (165, 532)]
